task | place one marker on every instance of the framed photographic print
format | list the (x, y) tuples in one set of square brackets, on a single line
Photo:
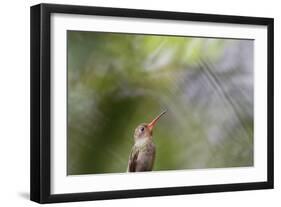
[(132, 103)]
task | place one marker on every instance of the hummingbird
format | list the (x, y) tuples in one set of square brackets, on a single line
[(143, 152)]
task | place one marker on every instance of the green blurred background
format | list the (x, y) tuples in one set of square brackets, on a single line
[(117, 81)]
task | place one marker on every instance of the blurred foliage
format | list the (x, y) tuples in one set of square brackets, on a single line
[(117, 81)]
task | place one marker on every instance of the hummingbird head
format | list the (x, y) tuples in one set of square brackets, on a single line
[(145, 130)]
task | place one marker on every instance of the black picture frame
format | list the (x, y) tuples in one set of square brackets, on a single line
[(41, 99)]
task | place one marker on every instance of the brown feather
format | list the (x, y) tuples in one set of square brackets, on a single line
[(133, 160)]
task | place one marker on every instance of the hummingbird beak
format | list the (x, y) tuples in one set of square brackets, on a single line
[(154, 121)]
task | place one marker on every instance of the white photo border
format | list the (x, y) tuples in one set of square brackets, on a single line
[(61, 183)]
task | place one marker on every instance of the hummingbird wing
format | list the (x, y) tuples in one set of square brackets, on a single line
[(133, 160)]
